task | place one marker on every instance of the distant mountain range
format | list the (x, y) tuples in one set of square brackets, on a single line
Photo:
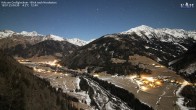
[(161, 45), (111, 52), (34, 35), (31, 44)]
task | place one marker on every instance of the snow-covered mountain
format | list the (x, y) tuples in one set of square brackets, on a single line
[(164, 34), (47, 48), (25, 33), (6, 33), (9, 33), (30, 44), (53, 37), (78, 42), (35, 35), (160, 45)]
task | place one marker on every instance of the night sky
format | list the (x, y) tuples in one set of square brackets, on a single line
[(87, 19)]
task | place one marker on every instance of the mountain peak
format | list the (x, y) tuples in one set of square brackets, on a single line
[(77, 41), (25, 33), (6, 33), (172, 34), (54, 37), (142, 27), (138, 29)]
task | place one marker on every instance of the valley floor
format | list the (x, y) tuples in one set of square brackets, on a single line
[(158, 90)]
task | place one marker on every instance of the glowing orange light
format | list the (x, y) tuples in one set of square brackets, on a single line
[(144, 88), (158, 83), (96, 75)]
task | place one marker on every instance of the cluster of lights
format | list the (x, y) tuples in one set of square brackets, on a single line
[(146, 83), (38, 70), (96, 75), (151, 82), (133, 76), (144, 88), (51, 63), (21, 61), (185, 83), (157, 66)]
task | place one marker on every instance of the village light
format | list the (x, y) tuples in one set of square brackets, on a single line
[(133, 76), (96, 75), (158, 83), (144, 88)]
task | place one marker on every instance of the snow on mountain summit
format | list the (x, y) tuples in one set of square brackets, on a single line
[(150, 32), (5, 33), (74, 41), (25, 33), (34, 34), (8, 33), (53, 37), (139, 30), (77, 41)]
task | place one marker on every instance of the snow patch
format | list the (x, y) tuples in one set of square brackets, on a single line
[(6, 33), (78, 42), (165, 34), (180, 100), (87, 98), (181, 46), (190, 69), (158, 59), (53, 37), (78, 82), (25, 33), (112, 36), (147, 47)]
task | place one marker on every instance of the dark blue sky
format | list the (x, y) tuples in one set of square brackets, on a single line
[(87, 19)]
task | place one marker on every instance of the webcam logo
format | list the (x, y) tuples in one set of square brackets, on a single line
[(187, 5)]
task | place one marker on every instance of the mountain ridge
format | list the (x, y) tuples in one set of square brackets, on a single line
[(102, 52), (161, 32), (10, 33)]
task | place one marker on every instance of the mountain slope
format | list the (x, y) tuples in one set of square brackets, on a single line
[(6, 33), (21, 90), (186, 64), (16, 43), (49, 47), (77, 41), (20, 44), (53, 37), (164, 34), (107, 51)]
